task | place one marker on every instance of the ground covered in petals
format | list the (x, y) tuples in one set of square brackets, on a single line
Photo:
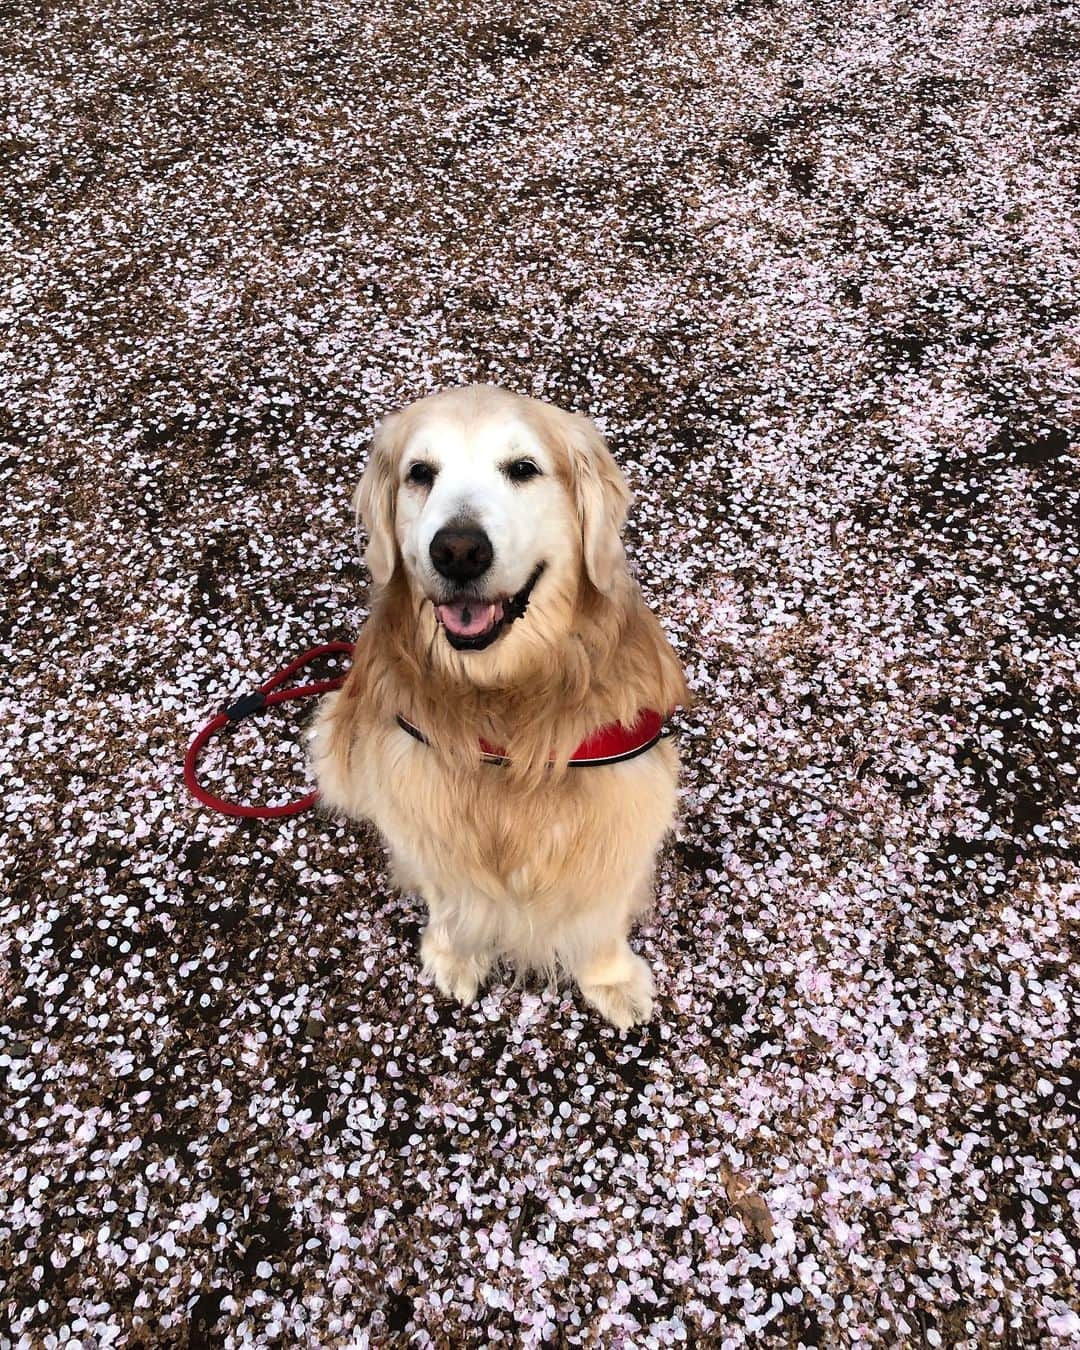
[(814, 269)]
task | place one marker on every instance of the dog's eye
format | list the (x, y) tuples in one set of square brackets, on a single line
[(521, 470), (423, 475)]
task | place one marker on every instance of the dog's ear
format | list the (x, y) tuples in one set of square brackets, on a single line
[(375, 499), (602, 498)]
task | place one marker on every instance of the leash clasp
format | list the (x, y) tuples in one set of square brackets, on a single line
[(245, 706), (267, 695)]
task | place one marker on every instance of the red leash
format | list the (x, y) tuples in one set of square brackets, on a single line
[(265, 696), (610, 744)]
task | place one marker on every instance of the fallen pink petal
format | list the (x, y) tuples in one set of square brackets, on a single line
[(815, 272)]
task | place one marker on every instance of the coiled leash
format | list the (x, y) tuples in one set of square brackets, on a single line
[(265, 696), (611, 744)]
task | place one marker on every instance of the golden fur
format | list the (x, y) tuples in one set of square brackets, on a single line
[(533, 862)]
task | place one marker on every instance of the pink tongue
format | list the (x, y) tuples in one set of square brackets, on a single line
[(469, 618)]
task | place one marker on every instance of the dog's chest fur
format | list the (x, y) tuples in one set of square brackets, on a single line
[(478, 831)]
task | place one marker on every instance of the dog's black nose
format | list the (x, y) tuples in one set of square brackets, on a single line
[(461, 553)]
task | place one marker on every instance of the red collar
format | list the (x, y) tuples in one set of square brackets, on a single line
[(610, 744)]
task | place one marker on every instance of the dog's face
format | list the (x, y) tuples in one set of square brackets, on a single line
[(498, 508), (481, 514)]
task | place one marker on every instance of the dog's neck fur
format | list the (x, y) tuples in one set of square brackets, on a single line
[(585, 660)]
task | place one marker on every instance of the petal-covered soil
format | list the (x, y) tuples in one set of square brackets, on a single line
[(814, 270)]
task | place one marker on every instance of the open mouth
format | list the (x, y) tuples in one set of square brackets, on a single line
[(471, 624)]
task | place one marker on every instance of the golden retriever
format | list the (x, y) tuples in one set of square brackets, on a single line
[(504, 617)]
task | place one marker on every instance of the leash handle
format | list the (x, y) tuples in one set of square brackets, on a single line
[(266, 695)]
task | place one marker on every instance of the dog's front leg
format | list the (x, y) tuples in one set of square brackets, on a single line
[(455, 951), (617, 982)]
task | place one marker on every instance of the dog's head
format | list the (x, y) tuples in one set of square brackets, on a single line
[(498, 509)]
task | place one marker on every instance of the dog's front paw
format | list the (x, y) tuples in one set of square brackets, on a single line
[(626, 1000), (457, 975)]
